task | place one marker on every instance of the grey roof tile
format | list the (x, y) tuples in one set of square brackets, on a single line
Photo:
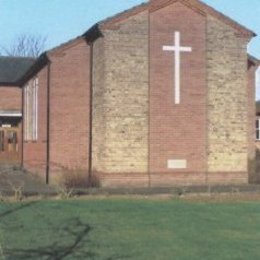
[(13, 68)]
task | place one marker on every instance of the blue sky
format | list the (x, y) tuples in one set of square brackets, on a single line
[(61, 20)]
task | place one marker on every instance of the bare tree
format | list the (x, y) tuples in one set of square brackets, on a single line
[(26, 45)]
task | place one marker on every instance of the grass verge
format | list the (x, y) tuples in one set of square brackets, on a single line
[(116, 228)]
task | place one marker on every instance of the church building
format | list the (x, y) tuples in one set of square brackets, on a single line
[(162, 94)]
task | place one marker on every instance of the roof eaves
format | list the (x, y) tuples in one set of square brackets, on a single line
[(124, 15), (35, 68), (64, 45), (254, 60), (59, 47), (92, 33), (241, 28), (9, 84)]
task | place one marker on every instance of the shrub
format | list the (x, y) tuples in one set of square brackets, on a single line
[(79, 179)]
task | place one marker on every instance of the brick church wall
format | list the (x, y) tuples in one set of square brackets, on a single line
[(227, 100), (10, 98), (34, 152), (124, 98), (69, 107), (137, 127)]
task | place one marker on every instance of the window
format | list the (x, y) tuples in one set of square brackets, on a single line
[(258, 129), (31, 110)]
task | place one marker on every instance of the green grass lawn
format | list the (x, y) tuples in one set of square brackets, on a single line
[(130, 229)]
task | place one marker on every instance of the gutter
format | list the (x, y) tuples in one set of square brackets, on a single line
[(90, 113), (48, 125)]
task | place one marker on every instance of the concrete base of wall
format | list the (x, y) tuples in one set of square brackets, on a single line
[(137, 180), (145, 180)]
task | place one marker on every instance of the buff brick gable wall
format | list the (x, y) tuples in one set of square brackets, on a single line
[(227, 102), (214, 84), (121, 98)]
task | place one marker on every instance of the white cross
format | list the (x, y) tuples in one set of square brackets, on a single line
[(177, 50)]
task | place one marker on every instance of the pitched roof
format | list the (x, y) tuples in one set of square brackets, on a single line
[(13, 68), (153, 5)]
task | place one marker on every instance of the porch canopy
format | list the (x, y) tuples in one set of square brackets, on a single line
[(10, 113)]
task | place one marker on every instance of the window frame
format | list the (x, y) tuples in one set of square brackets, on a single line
[(257, 127), (31, 110)]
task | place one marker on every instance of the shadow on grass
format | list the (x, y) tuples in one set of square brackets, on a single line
[(73, 242), (17, 208), (68, 240)]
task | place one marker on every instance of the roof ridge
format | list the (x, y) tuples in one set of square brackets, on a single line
[(207, 8)]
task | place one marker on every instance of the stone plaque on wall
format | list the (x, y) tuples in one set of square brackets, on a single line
[(177, 164)]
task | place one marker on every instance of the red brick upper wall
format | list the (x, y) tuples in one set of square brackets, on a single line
[(177, 131), (10, 98), (69, 105)]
